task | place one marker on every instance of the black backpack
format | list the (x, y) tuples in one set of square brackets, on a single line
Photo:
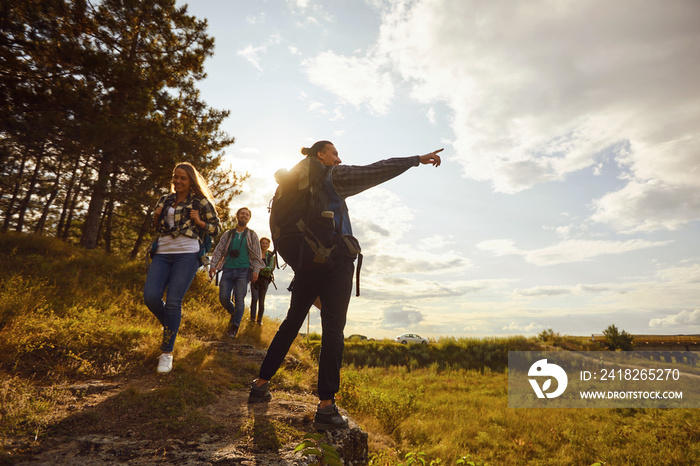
[(205, 238), (301, 221)]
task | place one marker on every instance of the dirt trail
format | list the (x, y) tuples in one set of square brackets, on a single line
[(265, 426)]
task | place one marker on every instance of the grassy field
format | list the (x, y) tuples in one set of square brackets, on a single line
[(451, 414), (69, 315)]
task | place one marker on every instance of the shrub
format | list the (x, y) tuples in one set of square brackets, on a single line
[(389, 408), (618, 340)]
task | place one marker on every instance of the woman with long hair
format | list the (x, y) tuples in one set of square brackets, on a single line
[(181, 219)]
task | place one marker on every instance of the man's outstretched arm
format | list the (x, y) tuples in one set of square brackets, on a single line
[(349, 180)]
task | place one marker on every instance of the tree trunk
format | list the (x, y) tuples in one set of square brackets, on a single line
[(91, 230), (45, 213), (145, 225), (30, 191), (99, 228), (67, 200), (109, 217), (15, 194), (74, 204)]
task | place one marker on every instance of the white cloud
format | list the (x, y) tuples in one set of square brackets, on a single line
[(252, 54), (274, 39), (544, 291), (546, 86), (333, 115), (529, 328), (249, 150), (649, 206), (499, 247), (316, 106), (358, 81), (382, 233), (259, 19), (393, 288), (301, 4), (542, 89), (681, 274), (384, 226), (564, 231), (399, 317), (682, 319), (431, 116), (593, 288), (552, 291), (395, 270), (337, 114), (664, 291), (527, 92), (583, 250), (567, 251)]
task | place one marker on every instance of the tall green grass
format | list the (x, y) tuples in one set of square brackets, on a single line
[(447, 353), (450, 414), (68, 315)]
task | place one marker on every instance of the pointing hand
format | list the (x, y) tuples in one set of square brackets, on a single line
[(432, 158)]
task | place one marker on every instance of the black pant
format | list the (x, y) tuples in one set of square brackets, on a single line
[(334, 287), (258, 291)]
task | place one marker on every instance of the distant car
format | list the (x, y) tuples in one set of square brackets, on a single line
[(410, 338), (356, 337)]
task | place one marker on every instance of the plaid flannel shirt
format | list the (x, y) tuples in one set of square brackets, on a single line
[(218, 257), (349, 180), (184, 225)]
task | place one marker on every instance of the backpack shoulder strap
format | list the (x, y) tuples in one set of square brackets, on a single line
[(202, 233), (168, 201)]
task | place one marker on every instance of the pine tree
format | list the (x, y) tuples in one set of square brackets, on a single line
[(98, 101)]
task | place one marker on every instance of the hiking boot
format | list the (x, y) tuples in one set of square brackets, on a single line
[(260, 394), (329, 418), (165, 363), (232, 330)]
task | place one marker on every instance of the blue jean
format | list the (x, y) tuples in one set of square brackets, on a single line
[(174, 272), (234, 282)]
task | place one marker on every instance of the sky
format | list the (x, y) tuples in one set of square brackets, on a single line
[(569, 193)]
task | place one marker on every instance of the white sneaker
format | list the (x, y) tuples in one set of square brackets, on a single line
[(165, 363)]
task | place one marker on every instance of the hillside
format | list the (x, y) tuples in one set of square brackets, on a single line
[(78, 354), (78, 385)]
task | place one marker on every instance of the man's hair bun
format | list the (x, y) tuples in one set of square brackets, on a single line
[(305, 151)]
